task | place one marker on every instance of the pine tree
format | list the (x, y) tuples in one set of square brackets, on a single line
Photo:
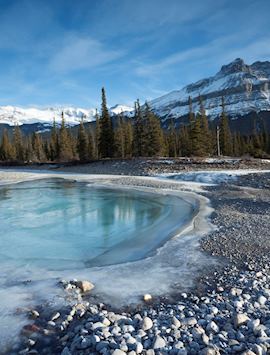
[(191, 115), (18, 144), (54, 143), (185, 144), (29, 154), (119, 138), (6, 149), (206, 138), (38, 152), (196, 137), (225, 133), (82, 143), (128, 138), (106, 130), (195, 132), (91, 146), (97, 136), (172, 143), (153, 142), (65, 145), (138, 130)]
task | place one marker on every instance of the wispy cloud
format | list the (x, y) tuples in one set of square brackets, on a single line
[(82, 53), (219, 51)]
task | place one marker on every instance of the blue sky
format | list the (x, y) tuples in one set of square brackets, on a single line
[(61, 52)]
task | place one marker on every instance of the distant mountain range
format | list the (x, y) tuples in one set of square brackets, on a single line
[(12, 115), (245, 89)]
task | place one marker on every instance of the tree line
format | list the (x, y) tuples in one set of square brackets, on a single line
[(139, 136)]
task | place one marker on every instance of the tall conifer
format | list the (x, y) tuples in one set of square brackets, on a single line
[(106, 130)]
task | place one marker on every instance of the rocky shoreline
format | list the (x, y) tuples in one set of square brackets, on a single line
[(228, 312)]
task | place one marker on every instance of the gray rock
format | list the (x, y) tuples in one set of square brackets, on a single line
[(118, 352), (147, 323), (159, 342), (240, 319), (262, 300), (66, 351), (189, 321), (139, 348), (176, 322), (212, 327), (197, 332)]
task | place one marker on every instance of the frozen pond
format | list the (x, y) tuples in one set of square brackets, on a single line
[(60, 224), (120, 239)]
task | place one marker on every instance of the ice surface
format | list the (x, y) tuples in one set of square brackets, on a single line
[(54, 229)]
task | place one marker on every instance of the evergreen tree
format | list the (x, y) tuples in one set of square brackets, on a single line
[(82, 143), (191, 115), (38, 152), (91, 146), (185, 144), (225, 132), (195, 132), (128, 138), (54, 143), (172, 144), (97, 136), (65, 145), (6, 149), (106, 130), (206, 138), (196, 137), (18, 144), (29, 154), (138, 130), (153, 142), (119, 138)]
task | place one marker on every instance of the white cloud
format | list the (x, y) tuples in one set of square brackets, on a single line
[(81, 53), (217, 52)]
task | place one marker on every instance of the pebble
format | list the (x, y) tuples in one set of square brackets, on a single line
[(159, 343), (147, 323), (240, 319), (147, 297), (84, 286)]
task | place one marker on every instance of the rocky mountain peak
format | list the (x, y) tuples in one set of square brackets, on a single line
[(236, 66), (245, 88)]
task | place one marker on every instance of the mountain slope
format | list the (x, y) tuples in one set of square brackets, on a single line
[(16, 115), (245, 89)]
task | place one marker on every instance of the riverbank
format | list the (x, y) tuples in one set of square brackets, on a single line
[(226, 311), (150, 166)]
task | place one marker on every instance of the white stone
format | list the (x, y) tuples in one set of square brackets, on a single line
[(118, 352), (262, 300), (55, 316), (240, 319), (147, 323), (85, 285), (159, 342), (147, 297), (212, 327)]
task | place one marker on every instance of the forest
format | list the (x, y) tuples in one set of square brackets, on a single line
[(139, 136)]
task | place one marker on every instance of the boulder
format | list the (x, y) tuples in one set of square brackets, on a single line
[(85, 286)]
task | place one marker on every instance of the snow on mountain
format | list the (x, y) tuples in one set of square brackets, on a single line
[(245, 88), (16, 115), (117, 109)]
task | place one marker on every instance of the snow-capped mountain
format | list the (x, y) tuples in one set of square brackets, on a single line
[(245, 89), (12, 115), (117, 109)]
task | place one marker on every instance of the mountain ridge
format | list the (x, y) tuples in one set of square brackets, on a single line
[(245, 88)]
